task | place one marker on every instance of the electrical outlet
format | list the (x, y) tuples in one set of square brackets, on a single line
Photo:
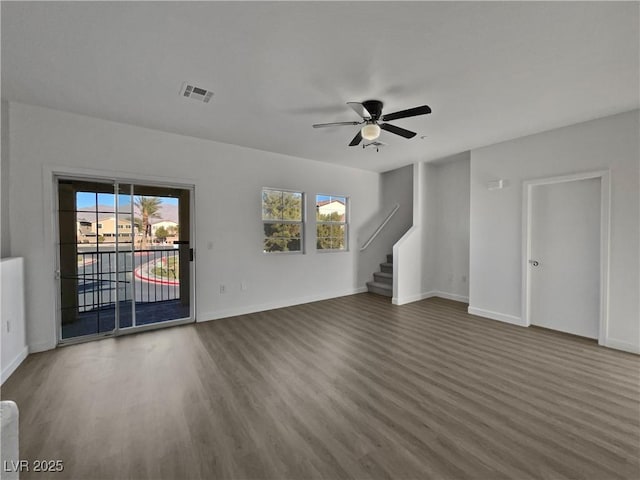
[(223, 288), (243, 286)]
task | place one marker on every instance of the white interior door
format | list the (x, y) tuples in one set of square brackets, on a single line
[(564, 265)]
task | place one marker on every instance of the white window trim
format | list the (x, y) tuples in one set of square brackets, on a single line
[(302, 222), (347, 218)]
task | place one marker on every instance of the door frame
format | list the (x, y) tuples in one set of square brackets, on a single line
[(51, 234), (605, 232)]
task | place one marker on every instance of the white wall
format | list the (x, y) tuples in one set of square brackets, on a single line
[(407, 251), (451, 229), (227, 180), (429, 223), (433, 257), (396, 188), (496, 216), (13, 336), (5, 245)]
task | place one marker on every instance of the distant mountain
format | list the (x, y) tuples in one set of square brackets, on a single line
[(166, 212)]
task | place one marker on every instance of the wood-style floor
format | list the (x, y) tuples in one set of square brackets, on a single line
[(352, 387)]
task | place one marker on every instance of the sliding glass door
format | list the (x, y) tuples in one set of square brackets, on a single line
[(161, 270), (124, 256)]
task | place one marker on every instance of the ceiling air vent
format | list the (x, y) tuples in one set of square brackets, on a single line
[(196, 93)]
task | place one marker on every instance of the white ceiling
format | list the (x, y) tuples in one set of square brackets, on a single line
[(490, 71)]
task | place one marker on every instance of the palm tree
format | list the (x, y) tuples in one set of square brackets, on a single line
[(148, 208)]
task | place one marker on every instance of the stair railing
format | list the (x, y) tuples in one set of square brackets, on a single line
[(379, 229)]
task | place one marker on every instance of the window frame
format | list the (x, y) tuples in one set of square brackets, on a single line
[(301, 222), (347, 217)]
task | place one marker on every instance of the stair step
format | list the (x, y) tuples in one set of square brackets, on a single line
[(390, 258), (380, 288), (383, 277), (386, 267)]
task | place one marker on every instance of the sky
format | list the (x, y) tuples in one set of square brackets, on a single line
[(324, 198), (88, 199)]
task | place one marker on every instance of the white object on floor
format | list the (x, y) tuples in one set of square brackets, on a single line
[(9, 441)]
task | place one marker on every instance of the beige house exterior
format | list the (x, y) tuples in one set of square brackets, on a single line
[(105, 231), (83, 231), (167, 224), (329, 207), (171, 227)]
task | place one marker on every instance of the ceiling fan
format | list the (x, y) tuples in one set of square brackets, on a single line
[(371, 113)]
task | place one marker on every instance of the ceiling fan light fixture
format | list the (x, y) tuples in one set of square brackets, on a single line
[(371, 113), (370, 131)]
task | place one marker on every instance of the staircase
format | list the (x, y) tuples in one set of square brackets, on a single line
[(383, 280)]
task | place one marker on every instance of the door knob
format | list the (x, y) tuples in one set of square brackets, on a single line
[(534, 263)]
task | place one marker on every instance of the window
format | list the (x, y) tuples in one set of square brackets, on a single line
[(331, 222), (282, 218)]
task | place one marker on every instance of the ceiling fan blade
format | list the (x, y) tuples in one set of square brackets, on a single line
[(397, 130), (356, 140), (334, 124), (411, 112), (360, 110)]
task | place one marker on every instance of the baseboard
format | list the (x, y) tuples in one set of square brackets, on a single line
[(413, 298), (432, 293), (621, 345), (502, 317), (356, 291), (41, 347), (247, 309), (452, 296), (9, 369)]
